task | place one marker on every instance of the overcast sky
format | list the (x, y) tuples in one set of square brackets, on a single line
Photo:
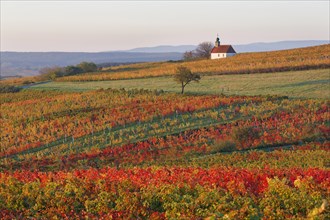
[(119, 25)]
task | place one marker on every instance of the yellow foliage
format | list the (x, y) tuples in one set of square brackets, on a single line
[(245, 63)]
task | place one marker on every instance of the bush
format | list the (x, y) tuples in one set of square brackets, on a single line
[(87, 67), (244, 134), (51, 72), (223, 146), (9, 89), (27, 82), (72, 70)]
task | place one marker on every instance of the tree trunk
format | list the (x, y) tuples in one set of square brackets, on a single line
[(182, 90)]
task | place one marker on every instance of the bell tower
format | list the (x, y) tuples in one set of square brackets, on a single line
[(217, 41)]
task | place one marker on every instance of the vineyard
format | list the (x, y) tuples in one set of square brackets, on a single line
[(262, 62), (140, 154)]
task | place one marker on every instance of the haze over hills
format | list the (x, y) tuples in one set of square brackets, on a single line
[(29, 63), (164, 49), (281, 45), (240, 48)]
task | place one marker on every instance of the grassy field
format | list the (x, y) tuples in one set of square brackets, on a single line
[(302, 84)]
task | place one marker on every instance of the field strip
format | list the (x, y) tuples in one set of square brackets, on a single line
[(102, 145), (92, 138), (201, 157), (291, 84)]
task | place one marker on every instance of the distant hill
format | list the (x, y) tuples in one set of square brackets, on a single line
[(281, 45), (29, 63), (164, 49), (240, 48)]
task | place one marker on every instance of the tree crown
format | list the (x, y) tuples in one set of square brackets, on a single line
[(184, 75)]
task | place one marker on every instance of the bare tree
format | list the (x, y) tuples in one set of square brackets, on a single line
[(203, 50), (188, 55), (185, 76)]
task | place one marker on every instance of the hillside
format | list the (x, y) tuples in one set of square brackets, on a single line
[(115, 154), (236, 145), (245, 63)]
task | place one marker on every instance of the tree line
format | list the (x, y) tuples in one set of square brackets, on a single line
[(55, 72)]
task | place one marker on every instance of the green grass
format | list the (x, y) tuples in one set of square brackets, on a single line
[(295, 84)]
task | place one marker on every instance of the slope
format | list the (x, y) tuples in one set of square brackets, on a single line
[(245, 63)]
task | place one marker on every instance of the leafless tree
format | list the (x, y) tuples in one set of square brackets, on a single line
[(189, 55), (203, 50)]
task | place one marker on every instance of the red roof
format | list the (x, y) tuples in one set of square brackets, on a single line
[(223, 49)]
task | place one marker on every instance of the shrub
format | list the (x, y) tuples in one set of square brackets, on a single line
[(87, 67), (27, 82), (9, 89), (223, 146), (244, 134)]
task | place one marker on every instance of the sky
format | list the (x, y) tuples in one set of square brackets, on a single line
[(92, 26)]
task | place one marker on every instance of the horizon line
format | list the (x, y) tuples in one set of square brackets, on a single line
[(128, 50)]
